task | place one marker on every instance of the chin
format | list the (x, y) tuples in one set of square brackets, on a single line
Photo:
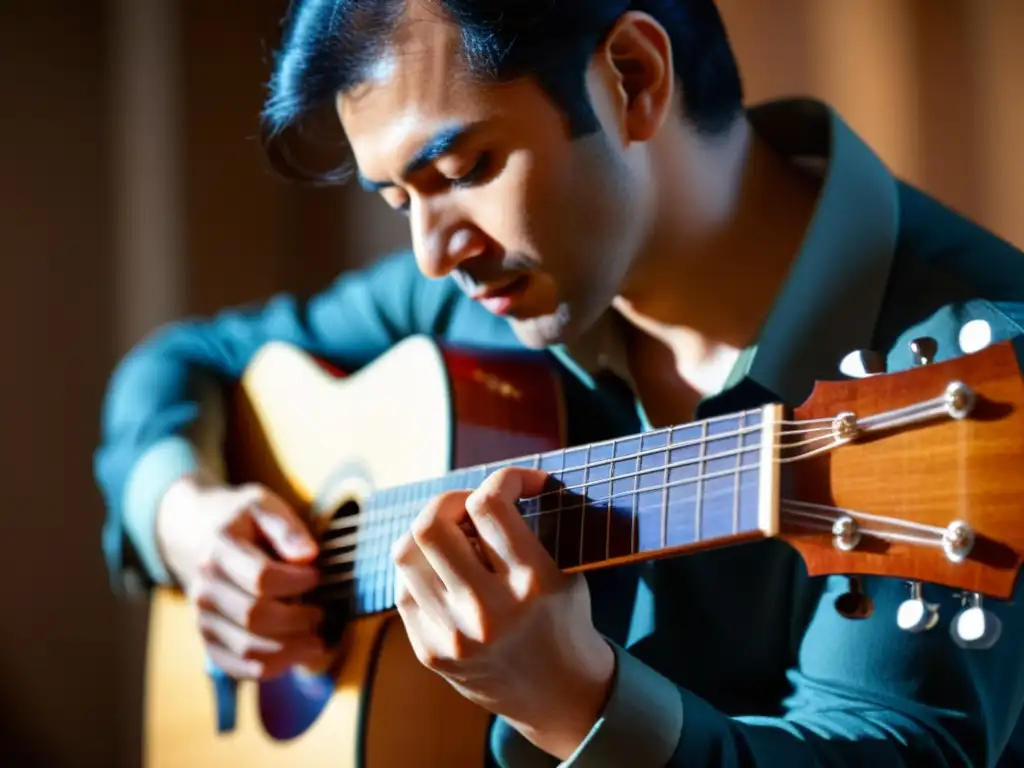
[(543, 331)]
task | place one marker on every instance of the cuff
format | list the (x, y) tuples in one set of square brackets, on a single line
[(160, 467), (640, 727), (641, 724), (513, 750)]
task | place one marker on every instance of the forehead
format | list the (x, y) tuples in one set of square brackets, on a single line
[(419, 85)]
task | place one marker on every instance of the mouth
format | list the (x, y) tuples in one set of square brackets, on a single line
[(501, 297)]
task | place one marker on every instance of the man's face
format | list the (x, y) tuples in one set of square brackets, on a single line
[(539, 227)]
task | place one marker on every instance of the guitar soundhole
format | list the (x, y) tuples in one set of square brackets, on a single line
[(291, 704)]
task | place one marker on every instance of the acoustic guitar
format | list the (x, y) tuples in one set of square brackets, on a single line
[(913, 475)]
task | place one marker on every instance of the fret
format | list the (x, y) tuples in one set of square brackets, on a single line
[(530, 509), (388, 531), (548, 513), (391, 526), (363, 566), (559, 500), (634, 513), (620, 533), (722, 445), (736, 481), (585, 487), (572, 476), (597, 489), (399, 520), (548, 510), (684, 469), (698, 512), (377, 568), (666, 477), (750, 473), (652, 494), (379, 528)]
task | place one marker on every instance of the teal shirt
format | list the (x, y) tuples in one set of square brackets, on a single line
[(733, 657)]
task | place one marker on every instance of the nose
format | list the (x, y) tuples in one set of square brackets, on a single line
[(442, 239)]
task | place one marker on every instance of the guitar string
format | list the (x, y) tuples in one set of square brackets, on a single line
[(403, 506), (366, 548), (409, 511), (787, 514), (374, 561), (354, 520), (602, 507), (376, 517)]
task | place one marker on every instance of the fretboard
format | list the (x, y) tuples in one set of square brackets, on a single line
[(643, 495)]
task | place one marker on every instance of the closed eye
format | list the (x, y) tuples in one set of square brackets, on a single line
[(475, 174), (478, 173)]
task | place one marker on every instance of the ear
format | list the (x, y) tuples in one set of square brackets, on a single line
[(637, 56)]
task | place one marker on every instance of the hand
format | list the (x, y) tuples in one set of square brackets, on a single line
[(503, 624), (214, 539)]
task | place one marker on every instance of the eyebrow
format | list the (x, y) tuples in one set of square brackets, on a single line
[(442, 142)]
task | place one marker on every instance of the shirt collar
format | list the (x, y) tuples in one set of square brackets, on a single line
[(838, 279)]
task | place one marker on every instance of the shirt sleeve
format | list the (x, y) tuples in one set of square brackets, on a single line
[(160, 418), (862, 693)]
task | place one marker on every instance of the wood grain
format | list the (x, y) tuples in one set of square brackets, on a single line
[(935, 473)]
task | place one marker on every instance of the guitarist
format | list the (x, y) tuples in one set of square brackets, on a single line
[(583, 177)]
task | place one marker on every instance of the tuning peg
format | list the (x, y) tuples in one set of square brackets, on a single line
[(975, 335), (862, 363), (914, 614), (855, 604), (975, 627), (924, 349)]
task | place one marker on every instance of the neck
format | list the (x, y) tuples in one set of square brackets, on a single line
[(691, 486), (731, 221)]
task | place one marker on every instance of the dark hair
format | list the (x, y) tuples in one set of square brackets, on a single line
[(328, 46)]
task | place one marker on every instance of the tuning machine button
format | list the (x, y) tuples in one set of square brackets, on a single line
[(924, 349), (862, 363), (975, 627), (914, 614), (974, 336), (855, 604)]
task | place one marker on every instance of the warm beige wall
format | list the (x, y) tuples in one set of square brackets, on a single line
[(931, 84)]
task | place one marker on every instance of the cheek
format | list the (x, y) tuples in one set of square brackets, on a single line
[(520, 206)]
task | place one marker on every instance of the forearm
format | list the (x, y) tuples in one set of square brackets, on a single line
[(197, 453), (142, 457)]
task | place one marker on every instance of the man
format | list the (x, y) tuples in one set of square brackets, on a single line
[(581, 177)]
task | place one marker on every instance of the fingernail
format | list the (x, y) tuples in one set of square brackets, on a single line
[(301, 544)]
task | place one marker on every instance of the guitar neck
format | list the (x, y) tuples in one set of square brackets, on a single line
[(702, 484)]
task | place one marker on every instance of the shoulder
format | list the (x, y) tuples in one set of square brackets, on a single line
[(947, 272)]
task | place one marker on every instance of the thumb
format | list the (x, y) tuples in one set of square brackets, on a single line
[(283, 528)]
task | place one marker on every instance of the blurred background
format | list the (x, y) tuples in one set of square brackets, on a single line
[(133, 191)]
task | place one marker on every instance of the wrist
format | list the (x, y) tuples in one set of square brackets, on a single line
[(588, 688), (176, 526)]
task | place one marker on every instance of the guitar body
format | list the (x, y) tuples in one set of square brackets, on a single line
[(324, 441)]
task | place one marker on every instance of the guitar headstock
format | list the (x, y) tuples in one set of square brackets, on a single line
[(917, 475)]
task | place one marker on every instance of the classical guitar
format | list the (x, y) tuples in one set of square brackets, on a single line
[(359, 454)]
